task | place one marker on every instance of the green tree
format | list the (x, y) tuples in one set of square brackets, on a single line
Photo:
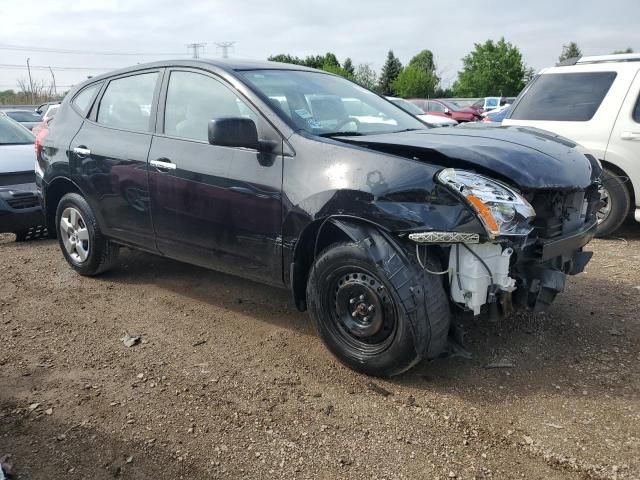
[(327, 67), (348, 66), (365, 76), (390, 71), (492, 68), (413, 81), (627, 50), (570, 50), (286, 58)]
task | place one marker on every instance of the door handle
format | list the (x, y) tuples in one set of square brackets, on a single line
[(630, 135), (82, 152), (163, 164)]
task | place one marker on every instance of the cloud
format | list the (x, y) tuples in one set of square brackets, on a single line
[(362, 30)]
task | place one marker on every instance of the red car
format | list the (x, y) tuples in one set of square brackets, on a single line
[(446, 108)]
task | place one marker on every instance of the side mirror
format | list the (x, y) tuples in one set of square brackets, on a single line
[(446, 111), (233, 132)]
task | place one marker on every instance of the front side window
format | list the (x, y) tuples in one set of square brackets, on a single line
[(83, 100), (193, 99), (127, 102), (324, 104), (569, 97)]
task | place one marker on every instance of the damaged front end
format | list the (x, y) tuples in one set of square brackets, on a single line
[(532, 241)]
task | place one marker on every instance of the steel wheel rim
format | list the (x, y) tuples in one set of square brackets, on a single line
[(74, 234), (363, 313), (603, 213)]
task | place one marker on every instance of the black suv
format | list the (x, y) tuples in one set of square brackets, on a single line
[(382, 226)]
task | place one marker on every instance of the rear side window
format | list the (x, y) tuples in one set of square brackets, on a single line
[(126, 103), (83, 100), (569, 97)]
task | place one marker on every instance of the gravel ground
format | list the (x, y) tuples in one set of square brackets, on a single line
[(229, 381)]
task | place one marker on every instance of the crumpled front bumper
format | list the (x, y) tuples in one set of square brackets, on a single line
[(19, 208)]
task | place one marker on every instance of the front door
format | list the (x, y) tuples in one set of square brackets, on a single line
[(215, 206), (109, 157)]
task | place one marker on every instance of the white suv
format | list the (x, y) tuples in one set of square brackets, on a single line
[(594, 101)]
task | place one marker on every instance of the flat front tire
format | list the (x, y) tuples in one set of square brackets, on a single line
[(82, 243), (377, 317)]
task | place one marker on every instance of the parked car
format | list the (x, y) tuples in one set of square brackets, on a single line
[(497, 115), (446, 108), (595, 101), (489, 104), (380, 228), (414, 110), (26, 118), (20, 211)]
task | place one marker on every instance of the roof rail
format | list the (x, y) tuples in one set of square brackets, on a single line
[(619, 57)]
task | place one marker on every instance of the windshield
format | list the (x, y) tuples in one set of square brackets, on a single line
[(324, 104), (408, 106), (12, 133), (24, 116), (451, 105)]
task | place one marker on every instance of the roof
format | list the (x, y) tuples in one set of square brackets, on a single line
[(616, 57)]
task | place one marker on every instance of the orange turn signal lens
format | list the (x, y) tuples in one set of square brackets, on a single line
[(485, 213)]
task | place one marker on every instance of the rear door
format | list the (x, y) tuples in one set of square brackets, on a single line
[(624, 144), (109, 156), (214, 206)]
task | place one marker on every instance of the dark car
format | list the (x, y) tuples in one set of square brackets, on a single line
[(20, 211), (381, 226), (27, 118), (447, 108)]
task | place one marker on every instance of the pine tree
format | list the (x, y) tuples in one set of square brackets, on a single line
[(348, 66), (390, 71)]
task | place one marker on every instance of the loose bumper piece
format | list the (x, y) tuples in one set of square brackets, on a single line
[(444, 237)]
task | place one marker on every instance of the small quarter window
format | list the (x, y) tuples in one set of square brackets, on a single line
[(127, 102), (636, 111), (84, 99)]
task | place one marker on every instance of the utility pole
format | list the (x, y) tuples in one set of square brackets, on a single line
[(225, 46), (195, 48), (55, 90), (30, 82)]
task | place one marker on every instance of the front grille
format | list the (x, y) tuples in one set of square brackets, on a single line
[(560, 213), (23, 201)]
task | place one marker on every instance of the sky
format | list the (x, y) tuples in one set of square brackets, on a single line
[(139, 31)]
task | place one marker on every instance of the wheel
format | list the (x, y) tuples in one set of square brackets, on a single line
[(617, 203), (379, 316), (81, 240)]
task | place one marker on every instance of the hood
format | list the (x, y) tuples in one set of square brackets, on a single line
[(528, 158), (17, 158)]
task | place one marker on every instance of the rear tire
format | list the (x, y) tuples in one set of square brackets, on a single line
[(617, 204), (379, 317), (82, 243)]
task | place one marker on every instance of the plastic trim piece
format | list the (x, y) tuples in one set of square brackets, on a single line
[(444, 237)]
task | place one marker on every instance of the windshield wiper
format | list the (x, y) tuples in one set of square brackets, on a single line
[(341, 134)]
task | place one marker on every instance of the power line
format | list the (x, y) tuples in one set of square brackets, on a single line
[(11, 66), (25, 48)]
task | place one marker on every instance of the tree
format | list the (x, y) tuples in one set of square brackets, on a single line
[(286, 58), (419, 78), (413, 81), (327, 67), (627, 50), (348, 66), (492, 68), (390, 71), (570, 50), (365, 76)]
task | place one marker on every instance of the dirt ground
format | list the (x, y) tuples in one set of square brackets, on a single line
[(230, 381)]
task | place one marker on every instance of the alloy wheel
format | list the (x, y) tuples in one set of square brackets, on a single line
[(74, 234)]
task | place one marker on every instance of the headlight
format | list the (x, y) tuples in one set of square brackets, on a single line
[(502, 210)]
